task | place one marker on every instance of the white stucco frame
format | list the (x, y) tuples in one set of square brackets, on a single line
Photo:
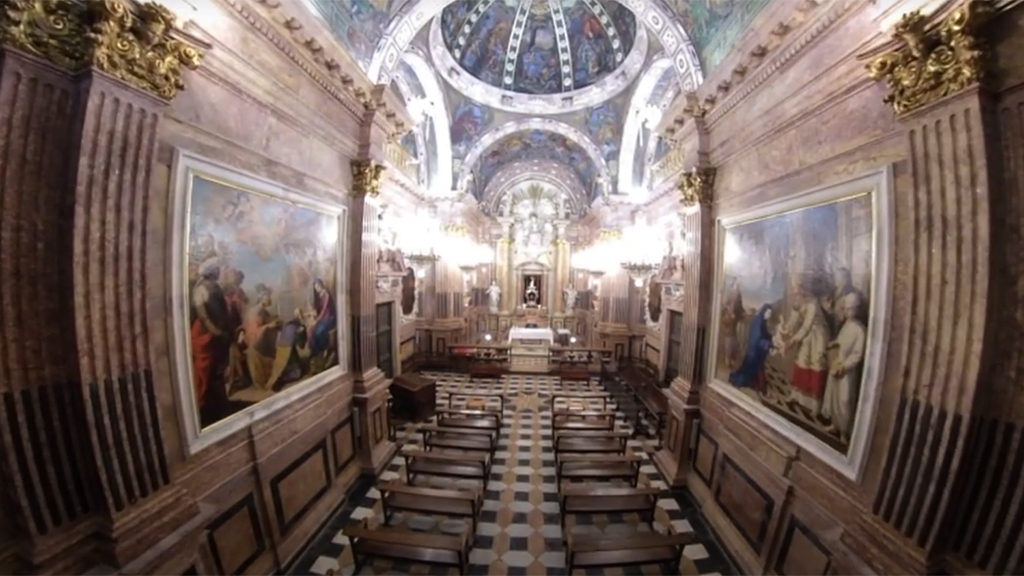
[(879, 184), (633, 125), (441, 182), (185, 166)]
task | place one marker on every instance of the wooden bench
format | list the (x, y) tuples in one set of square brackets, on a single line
[(607, 552), (600, 500), (582, 420), (470, 397), (650, 400), (487, 368), (585, 397), (396, 544), (459, 438), (461, 503), (421, 462), (475, 419), (598, 467), (573, 441)]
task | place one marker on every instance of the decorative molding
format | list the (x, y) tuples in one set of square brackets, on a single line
[(136, 43), (366, 177), (549, 172), (932, 57), (318, 64), (559, 103), (697, 186)]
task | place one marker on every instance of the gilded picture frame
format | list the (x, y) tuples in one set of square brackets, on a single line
[(786, 414), (194, 175)]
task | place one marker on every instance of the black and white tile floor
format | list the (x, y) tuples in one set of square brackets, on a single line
[(519, 530)]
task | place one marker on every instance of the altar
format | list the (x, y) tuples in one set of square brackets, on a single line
[(517, 333), (531, 349)]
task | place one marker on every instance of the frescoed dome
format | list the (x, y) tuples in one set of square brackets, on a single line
[(538, 46)]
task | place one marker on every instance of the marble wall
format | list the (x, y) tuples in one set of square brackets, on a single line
[(937, 490)]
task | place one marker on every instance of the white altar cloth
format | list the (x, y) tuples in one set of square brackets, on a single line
[(517, 333)]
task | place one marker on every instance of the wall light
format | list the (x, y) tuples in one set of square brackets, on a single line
[(487, 337)]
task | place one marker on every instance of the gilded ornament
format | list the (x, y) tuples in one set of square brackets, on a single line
[(366, 177), (136, 47), (696, 186), (933, 62)]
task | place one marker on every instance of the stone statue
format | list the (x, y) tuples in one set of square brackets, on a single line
[(493, 297), (570, 299), (506, 205)]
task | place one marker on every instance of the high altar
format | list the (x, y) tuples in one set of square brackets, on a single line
[(532, 270)]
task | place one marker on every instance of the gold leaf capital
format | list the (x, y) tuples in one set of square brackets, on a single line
[(366, 177), (933, 59), (134, 43), (697, 186)]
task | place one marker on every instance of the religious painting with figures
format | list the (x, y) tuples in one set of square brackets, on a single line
[(261, 291), (794, 310)]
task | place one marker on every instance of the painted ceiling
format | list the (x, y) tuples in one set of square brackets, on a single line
[(536, 145), (538, 46)]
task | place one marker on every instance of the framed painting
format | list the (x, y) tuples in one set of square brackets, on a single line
[(800, 313), (258, 273)]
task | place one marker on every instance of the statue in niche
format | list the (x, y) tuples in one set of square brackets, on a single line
[(390, 259), (493, 297), (570, 299)]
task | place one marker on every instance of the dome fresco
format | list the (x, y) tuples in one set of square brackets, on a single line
[(537, 145), (538, 46)]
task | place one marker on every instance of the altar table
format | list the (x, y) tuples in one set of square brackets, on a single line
[(517, 333)]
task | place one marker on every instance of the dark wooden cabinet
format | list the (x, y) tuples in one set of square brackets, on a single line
[(413, 398)]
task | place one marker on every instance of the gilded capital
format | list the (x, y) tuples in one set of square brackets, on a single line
[(135, 43), (697, 186), (366, 176), (933, 60)]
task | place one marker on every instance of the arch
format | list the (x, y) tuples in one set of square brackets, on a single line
[(654, 14), (604, 89), (546, 125), (441, 182), (548, 172), (633, 126)]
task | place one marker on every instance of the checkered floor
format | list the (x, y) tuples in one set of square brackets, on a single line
[(519, 530)]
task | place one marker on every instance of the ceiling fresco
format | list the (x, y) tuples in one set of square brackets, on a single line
[(358, 24), (538, 46), (536, 145), (715, 25)]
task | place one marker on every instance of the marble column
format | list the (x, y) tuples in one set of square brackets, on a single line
[(370, 387), (561, 275), (506, 272), (696, 189), (84, 470)]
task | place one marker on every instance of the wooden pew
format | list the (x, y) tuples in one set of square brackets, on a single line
[(598, 467), (461, 503), (573, 441), (459, 438), (396, 544), (583, 420), (645, 548), (471, 396), (600, 500), (472, 466), (587, 398), (484, 368), (475, 419)]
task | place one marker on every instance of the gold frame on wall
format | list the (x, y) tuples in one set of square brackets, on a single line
[(185, 169), (877, 184)]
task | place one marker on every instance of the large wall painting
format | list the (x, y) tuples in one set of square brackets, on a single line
[(260, 273), (537, 145), (715, 25), (801, 307)]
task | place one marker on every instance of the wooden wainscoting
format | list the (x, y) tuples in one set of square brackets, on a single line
[(300, 486), (745, 503), (801, 551), (343, 443), (705, 456), (236, 537)]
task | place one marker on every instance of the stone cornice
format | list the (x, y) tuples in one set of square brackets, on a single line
[(305, 41)]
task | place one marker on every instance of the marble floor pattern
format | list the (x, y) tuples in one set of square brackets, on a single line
[(519, 528)]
